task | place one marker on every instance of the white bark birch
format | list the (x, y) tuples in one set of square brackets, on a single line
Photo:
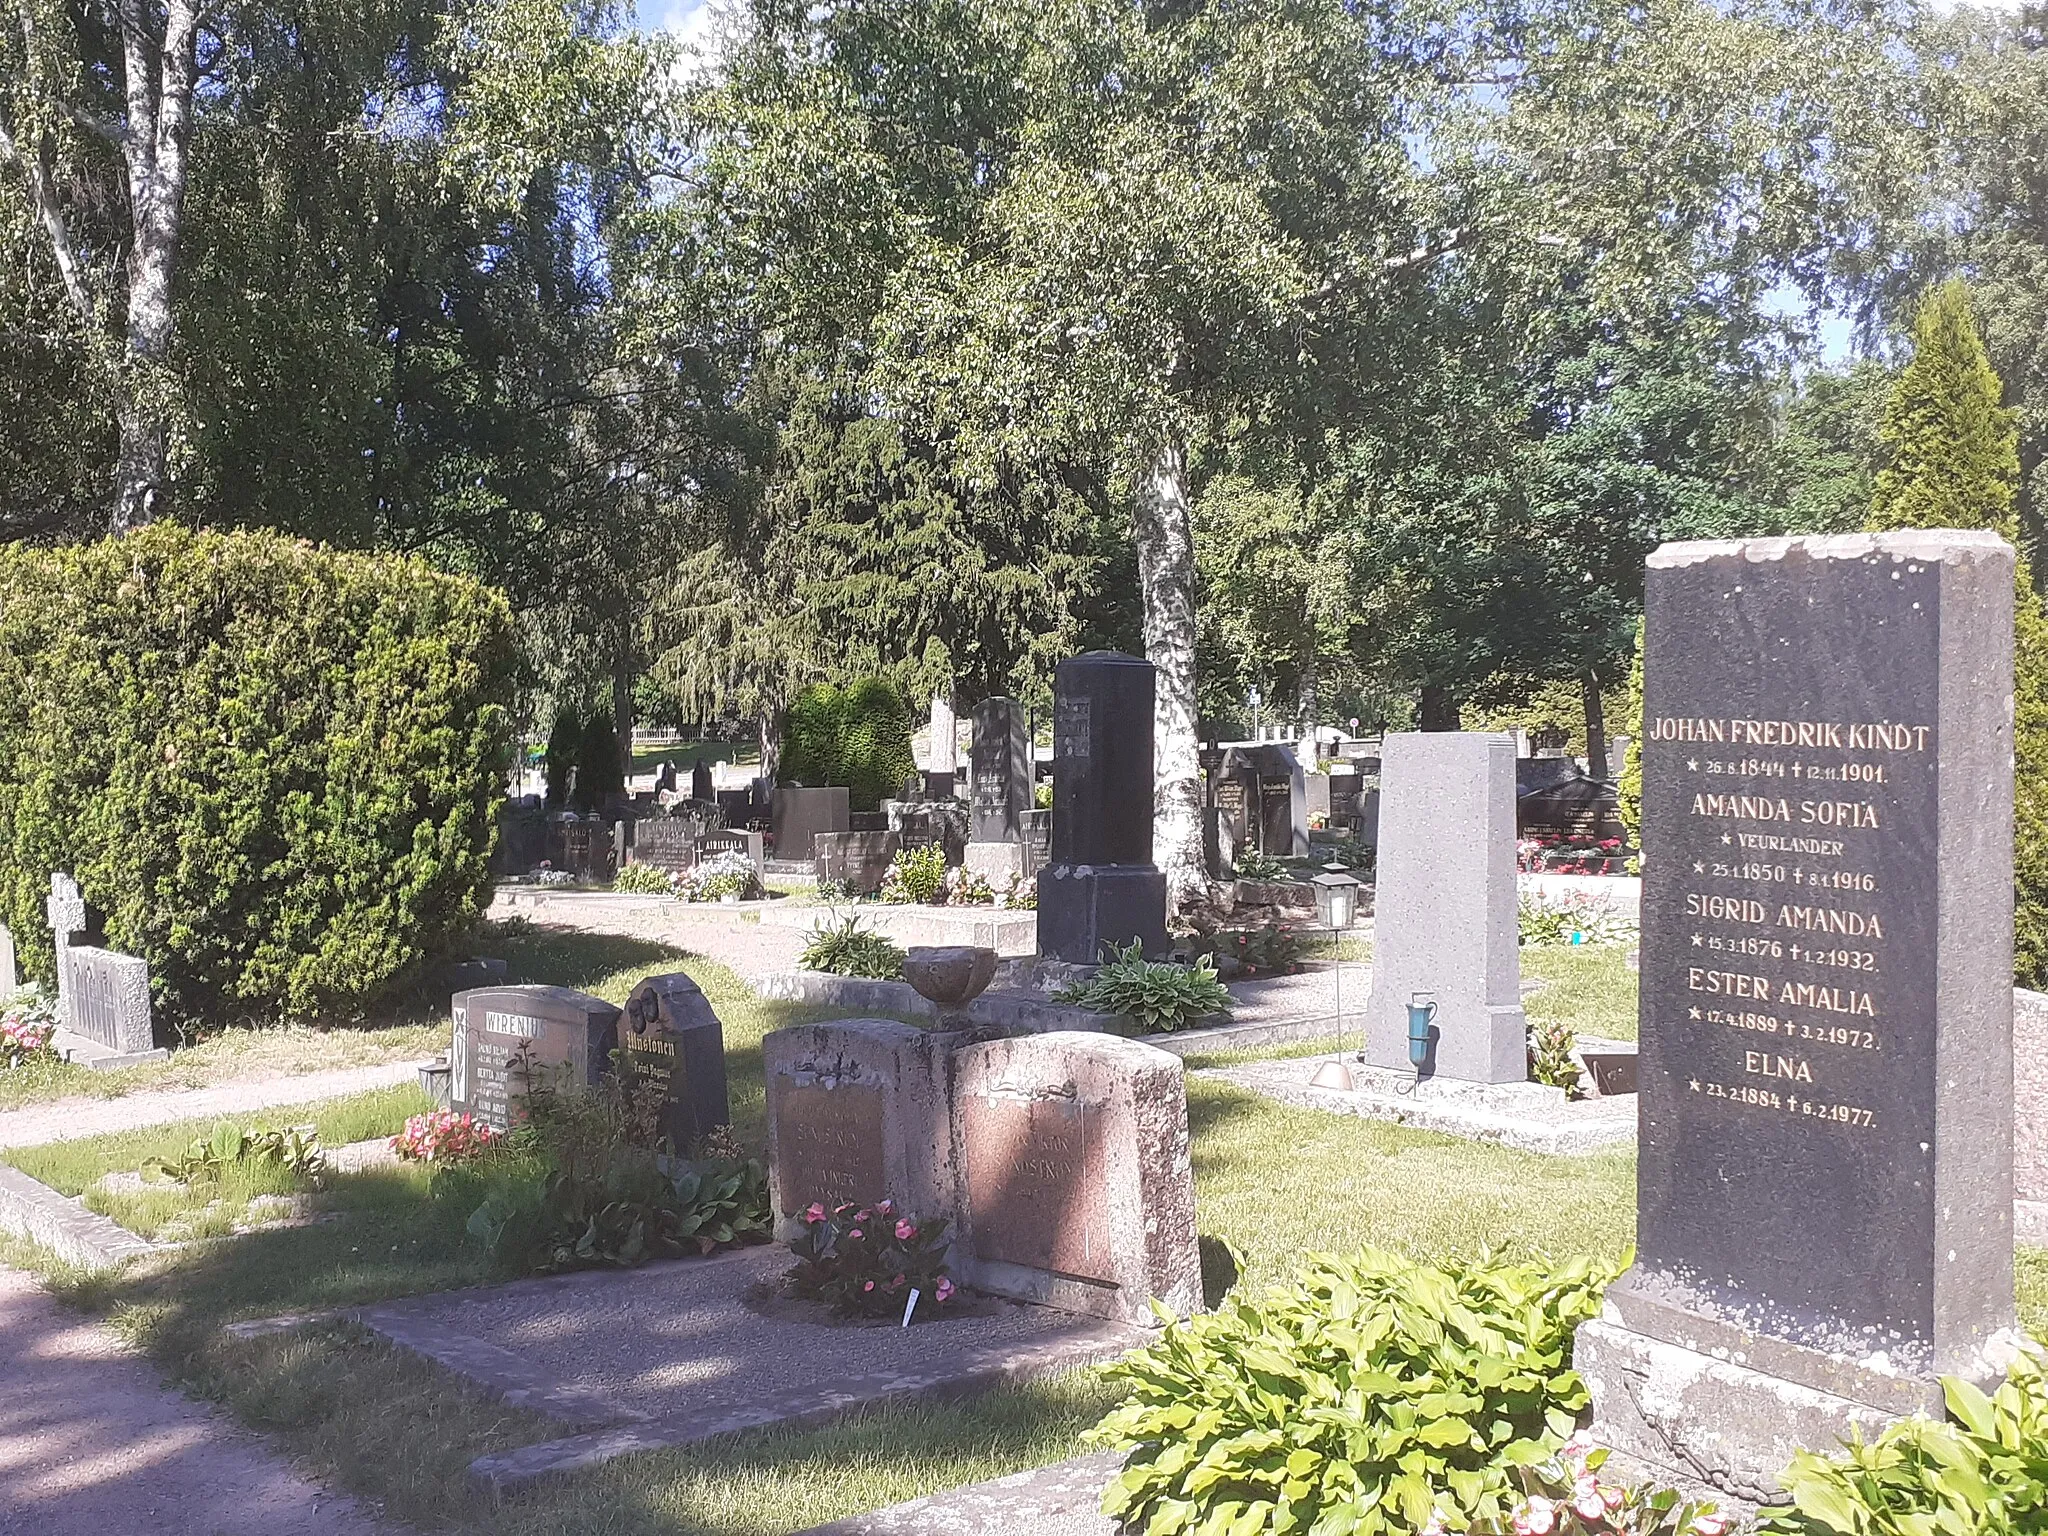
[(1164, 528), (160, 64)]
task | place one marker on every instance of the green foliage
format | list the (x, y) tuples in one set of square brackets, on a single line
[(274, 769), (1365, 1397), (644, 880), (1984, 1473), (1547, 920), (1159, 995), (1550, 1056), (847, 947), (1269, 949), (295, 1150), (864, 1261), (858, 736), (1257, 864), (1954, 463), (916, 875)]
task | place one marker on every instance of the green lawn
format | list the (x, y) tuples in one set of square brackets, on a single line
[(1588, 986)]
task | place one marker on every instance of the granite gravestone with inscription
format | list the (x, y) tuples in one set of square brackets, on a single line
[(1101, 888), (1446, 932), (1825, 1155), (1078, 1192), (1001, 769), (104, 1019), (857, 1112), (507, 1039), (672, 1039)]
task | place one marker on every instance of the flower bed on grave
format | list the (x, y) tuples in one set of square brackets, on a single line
[(1552, 853)]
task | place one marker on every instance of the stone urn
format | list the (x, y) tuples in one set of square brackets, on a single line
[(951, 975)]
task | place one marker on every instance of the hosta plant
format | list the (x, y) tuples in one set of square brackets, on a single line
[(295, 1149), (1372, 1395), (27, 1026), (848, 947), (1983, 1473), (865, 1260), (635, 1210), (1159, 995)]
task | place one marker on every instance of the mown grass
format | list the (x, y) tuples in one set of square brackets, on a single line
[(1587, 986)]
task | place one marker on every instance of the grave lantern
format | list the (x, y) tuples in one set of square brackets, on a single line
[(1336, 897)]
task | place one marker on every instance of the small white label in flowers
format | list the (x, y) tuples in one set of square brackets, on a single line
[(910, 1306)]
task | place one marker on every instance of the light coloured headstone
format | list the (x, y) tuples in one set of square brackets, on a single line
[(858, 1112), (10, 978), (65, 909), (1076, 1185), (1447, 927), (106, 998)]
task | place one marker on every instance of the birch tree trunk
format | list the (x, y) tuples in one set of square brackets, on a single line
[(159, 65), (155, 142), (1165, 535)]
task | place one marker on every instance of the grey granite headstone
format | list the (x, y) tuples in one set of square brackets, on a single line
[(65, 909), (1825, 1167), (1102, 887), (702, 786), (943, 754), (508, 1039), (671, 1037), (1001, 764), (1446, 927), (801, 814)]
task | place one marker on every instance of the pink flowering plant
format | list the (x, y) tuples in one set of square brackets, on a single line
[(444, 1137), (1565, 1495), (865, 1260), (27, 1026)]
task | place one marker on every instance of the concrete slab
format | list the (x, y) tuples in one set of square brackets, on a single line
[(1524, 1115), (1006, 931), (677, 1353)]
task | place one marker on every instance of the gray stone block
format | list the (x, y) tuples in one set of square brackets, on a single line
[(1445, 910)]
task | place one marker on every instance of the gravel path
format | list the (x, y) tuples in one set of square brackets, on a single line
[(73, 1119), (93, 1444), (749, 948)]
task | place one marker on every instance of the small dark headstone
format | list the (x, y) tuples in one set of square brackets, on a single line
[(701, 786), (508, 1038), (671, 1037), (1101, 888)]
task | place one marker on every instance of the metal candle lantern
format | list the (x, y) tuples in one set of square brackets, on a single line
[(1336, 898)]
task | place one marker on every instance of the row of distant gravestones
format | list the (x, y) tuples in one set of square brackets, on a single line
[(1061, 1160)]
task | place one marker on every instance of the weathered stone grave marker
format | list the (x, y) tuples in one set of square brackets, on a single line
[(508, 1038), (858, 1111), (103, 1010), (1825, 1158), (1078, 1192), (671, 1037), (1447, 929), (1102, 887), (10, 978)]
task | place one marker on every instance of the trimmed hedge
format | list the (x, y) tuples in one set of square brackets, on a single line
[(858, 736), (274, 769)]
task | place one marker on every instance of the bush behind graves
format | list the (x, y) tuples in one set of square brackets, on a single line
[(273, 768), (858, 736), (644, 880), (1372, 1395)]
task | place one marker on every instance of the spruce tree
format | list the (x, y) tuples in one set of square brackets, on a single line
[(1952, 452)]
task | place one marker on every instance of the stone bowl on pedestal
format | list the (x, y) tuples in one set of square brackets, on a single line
[(951, 975)]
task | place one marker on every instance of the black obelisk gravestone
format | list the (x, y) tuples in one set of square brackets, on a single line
[(1101, 888), (1825, 1159)]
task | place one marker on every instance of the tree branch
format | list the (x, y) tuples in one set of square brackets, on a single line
[(43, 192)]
